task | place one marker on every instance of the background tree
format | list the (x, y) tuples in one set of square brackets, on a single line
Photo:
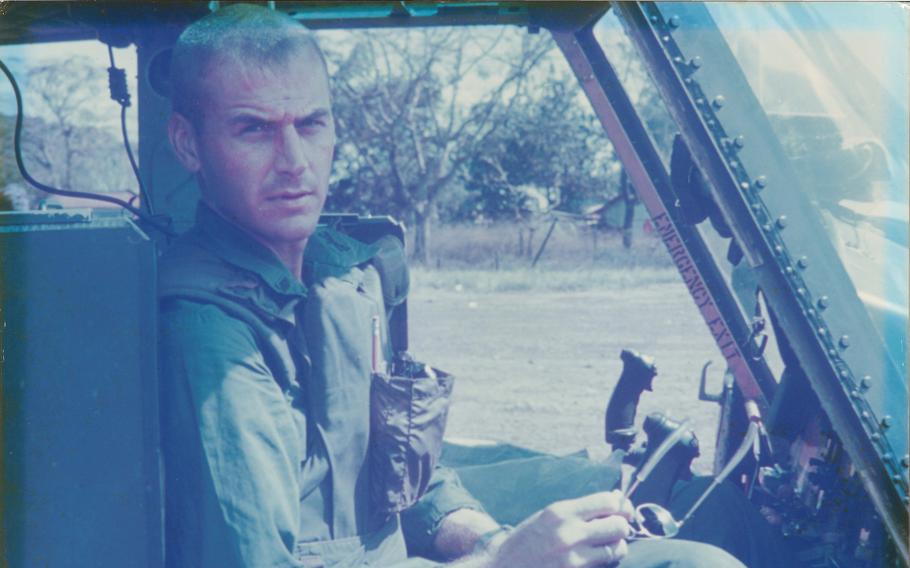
[(554, 151), (409, 122)]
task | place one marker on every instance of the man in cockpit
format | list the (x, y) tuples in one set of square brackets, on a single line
[(264, 361)]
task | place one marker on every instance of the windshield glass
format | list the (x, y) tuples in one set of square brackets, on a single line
[(833, 80)]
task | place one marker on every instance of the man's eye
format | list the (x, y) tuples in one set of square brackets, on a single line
[(254, 128), (310, 124)]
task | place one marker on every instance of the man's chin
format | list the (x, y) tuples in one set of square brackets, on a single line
[(289, 232)]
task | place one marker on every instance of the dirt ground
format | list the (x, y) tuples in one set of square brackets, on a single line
[(536, 368)]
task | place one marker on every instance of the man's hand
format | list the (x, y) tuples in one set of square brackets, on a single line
[(588, 531), (459, 532)]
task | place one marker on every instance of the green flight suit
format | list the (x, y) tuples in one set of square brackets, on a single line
[(266, 405)]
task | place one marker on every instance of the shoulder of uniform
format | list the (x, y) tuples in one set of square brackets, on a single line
[(330, 253), (187, 265)]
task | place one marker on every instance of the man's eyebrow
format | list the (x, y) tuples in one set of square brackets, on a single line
[(246, 118), (253, 117), (318, 114)]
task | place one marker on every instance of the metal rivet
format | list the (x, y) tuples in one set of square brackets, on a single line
[(844, 374), (905, 461), (887, 456), (695, 62), (688, 80), (855, 394), (782, 221), (767, 227), (699, 101), (761, 182), (864, 414), (801, 291), (755, 206), (822, 331), (674, 21), (654, 18), (739, 142), (719, 101), (803, 262), (887, 421), (832, 353), (789, 270), (711, 121), (677, 59), (876, 436), (666, 38), (778, 249), (844, 341), (734, 164), (744, 185), (823, 302), (811, 312), (865, 382)]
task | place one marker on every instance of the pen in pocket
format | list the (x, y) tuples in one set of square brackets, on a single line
[(377, 361)]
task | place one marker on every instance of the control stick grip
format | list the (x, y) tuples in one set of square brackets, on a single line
[(637, 376)]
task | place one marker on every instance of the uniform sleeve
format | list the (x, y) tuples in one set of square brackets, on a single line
[(445, 494), (232, 451)]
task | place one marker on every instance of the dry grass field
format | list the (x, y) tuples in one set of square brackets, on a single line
[(536, 352)]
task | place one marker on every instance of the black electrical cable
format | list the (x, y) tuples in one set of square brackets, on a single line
[(17, 147), (120, 93)]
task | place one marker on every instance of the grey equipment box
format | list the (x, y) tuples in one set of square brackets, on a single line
[(79, 447)]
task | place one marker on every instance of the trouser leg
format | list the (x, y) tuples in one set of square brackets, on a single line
[(728, 520), (512, 490), (676, 554)]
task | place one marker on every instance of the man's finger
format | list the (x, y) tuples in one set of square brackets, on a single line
[(600, 505), (606, 530), (618, 551), (602, 555)]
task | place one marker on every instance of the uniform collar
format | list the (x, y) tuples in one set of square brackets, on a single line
[(237, 247), (328, 253)]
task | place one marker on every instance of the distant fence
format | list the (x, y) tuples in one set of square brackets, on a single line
[(511, 245)]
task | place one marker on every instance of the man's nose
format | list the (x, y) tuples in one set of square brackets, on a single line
[(291, 156)]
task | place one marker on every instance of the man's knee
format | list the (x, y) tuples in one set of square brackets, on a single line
[(677, 554)]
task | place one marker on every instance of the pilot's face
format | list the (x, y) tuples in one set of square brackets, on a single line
[(264, 146)]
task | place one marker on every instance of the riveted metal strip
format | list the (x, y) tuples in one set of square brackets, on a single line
[(651, 181), (758, 192)]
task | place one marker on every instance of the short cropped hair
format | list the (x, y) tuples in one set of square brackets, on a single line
[(242, 32)]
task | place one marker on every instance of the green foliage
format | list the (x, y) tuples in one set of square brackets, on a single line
[(554, 153), (412, 108)]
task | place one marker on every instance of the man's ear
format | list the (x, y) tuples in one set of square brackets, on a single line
[(182, 135)]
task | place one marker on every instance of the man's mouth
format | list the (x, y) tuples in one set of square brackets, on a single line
[(290, 196)]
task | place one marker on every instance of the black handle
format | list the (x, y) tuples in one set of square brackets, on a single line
[(637, 376)]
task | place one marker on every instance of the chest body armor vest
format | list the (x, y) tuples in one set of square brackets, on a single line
[(324, 366)]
